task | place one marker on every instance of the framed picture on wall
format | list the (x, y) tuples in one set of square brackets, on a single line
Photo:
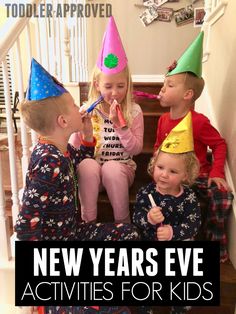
[(160, 2), (184, 15), (148, 3), (165, 14), (199, 14), (148, 16)]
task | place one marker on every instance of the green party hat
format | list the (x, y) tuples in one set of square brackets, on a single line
[(191, 59)]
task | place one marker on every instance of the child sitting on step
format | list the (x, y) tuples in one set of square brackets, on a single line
[(183, 85), (167, 209), (49, 208), (118, 129)]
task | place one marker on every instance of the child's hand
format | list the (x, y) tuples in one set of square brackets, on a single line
[(220, 182), (113, 113), (87, 132), (155, 215), (164, 233)]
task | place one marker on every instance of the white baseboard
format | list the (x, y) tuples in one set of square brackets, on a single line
[(158, 78)]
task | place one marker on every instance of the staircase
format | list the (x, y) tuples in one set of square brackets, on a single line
[(152, 111)]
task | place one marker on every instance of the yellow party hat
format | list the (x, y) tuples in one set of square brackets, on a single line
[(180, 138)]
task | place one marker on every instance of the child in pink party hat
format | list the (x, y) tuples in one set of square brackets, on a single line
[(118, 129)]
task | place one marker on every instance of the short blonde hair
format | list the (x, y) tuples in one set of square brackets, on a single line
[(190, 160), (41, 115), (127, 102), (195, 83)]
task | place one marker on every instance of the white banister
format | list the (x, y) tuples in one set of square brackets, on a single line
[(81, 43), (217, 10), (53, 45), (24, 140), (58, 52), (15, 27), (38, 42), (86, 77), (33, 133), (4, 221), (67, 56), (11, 144), (59, 49), (84, 47)]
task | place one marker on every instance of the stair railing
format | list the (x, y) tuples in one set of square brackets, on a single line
[(11, 44), (51, 39)]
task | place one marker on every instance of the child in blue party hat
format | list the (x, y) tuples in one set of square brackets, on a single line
[(50, 203)]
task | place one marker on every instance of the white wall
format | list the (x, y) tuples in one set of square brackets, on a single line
[(149, 49), (218, 101)]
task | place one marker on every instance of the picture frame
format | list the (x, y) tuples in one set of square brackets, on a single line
[(165, 14), (160, 2), (148, 3), (184, 15), (199, 14), (148, 16)]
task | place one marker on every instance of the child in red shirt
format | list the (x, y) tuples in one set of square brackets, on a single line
[(182, 86)]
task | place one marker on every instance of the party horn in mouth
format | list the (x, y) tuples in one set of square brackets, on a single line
[(146, 95), (120, 116), (90, 108)]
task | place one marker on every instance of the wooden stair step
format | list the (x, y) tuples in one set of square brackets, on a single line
[(228, 284), (227, 292)]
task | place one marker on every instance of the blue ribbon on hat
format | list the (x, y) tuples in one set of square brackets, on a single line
[(42, 84)]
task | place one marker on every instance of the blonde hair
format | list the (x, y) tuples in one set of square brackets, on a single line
[(126, 103), (190, 160), (195, 83), (41, 115)]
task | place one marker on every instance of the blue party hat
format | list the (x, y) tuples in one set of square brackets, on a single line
[(41, 84)]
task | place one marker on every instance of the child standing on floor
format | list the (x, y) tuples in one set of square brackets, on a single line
[(50, 203), (167, 209), (118, 139), (183, 85)]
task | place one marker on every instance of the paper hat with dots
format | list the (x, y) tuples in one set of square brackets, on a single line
[(41, 84), (180, 138), (112, 58)]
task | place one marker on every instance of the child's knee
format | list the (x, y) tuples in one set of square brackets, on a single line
[(111, 169), (88, 167)]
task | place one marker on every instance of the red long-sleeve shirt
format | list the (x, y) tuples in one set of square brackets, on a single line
[(205, 135)]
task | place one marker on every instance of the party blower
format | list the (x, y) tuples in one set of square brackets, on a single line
[(120, 115), (146, 95), (90, 108)]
